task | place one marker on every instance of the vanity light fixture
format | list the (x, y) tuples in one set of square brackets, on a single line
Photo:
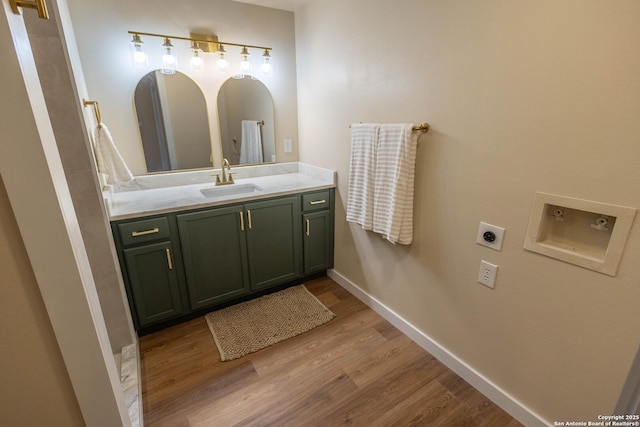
[(222, 64), (138, 55), (197, 63), (199, 44), (169, 60)]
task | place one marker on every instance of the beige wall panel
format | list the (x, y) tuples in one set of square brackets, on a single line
[(521, 97)]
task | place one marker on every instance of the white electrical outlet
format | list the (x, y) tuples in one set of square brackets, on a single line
[(490, 236), (288, 146), (487, 275)]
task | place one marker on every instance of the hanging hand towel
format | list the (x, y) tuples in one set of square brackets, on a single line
[(251, 147), (364, 138), (394, 182), (110, 162)]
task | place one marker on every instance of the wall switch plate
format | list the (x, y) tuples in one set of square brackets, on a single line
[(490, 236), (288, 147), (487, 274)]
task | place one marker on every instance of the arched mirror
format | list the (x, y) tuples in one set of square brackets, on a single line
[(172, 116), (245, 113)]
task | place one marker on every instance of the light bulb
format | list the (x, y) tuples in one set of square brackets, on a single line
[(222, 64), (245, 65), (197, 63), (138, 56), (169, 60), (266, 63)]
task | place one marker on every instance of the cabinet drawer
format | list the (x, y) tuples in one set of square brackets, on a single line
[(315, 201), (143, 231)]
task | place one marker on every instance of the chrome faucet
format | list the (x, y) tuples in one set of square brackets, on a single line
[(225, 180)]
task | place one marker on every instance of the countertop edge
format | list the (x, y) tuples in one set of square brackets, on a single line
[(216, 203)]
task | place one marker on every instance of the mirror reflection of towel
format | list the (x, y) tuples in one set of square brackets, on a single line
[(251, 147), (110, 162)]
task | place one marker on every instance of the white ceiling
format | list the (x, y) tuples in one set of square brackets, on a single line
[(276, 4)]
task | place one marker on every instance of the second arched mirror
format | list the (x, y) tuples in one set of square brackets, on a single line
[(245, 114)]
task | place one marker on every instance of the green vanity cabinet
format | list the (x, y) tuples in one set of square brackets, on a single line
[(215, 255), (147, 258), (318, 242), (231, 251), (182, 263), (318, 224), (274, 241)]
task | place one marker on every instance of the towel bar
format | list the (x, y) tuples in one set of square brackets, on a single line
[(423, 127)]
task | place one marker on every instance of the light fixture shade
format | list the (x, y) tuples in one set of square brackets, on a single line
[(169, 60), (222, 64), (138, 55), (266, 66), (245, 66), (197, 63)]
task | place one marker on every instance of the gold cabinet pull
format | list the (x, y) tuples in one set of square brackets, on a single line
[(39, 5), (144, 233), (169, 262), (249, 217), (317, 202), (241, 221), (308, 228)]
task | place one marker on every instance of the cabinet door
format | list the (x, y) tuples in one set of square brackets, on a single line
[(318, 241), (153, 282), (274, 241), (215, 255)]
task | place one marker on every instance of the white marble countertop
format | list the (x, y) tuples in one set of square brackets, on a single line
[(164, 193)]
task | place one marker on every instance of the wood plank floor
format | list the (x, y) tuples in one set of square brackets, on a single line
[(356, 370)]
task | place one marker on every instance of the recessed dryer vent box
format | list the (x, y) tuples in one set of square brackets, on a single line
[(581, 232)]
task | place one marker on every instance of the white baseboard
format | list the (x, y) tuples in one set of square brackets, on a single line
[(501, 398)]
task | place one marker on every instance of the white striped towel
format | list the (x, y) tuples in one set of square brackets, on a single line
[(110, 162), (364, 138), (251, 147), (394, 182)]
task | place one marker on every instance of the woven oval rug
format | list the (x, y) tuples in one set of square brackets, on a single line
[(253, 325)]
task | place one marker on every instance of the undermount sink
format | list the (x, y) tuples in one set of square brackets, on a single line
[(231, 190)]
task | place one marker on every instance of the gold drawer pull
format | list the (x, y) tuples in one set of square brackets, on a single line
[(169, 263), (144, 233), (317, 202), (241, 221), (249, 217), (308, 228)]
